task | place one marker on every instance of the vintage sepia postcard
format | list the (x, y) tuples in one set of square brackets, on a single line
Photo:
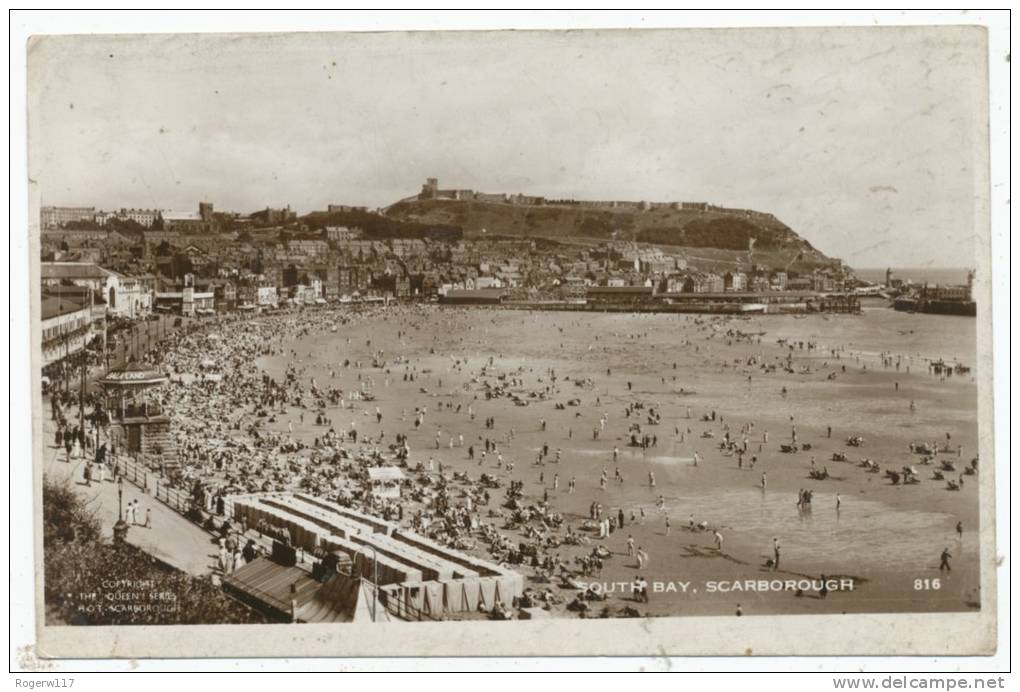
[(596, 342)]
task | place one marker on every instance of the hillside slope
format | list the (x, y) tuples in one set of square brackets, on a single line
[(670, 228)]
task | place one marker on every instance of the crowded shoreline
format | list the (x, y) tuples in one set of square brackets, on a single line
[(614, 448)]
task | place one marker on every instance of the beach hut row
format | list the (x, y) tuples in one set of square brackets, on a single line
[(416, 577), (434, 599), (325, 520), (383, 568), (378, 525), (303, 534), (510, 582)]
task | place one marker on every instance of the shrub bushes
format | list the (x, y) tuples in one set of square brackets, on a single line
[(90, 581)]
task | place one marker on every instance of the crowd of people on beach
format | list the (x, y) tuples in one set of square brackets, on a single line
[(256, 409)]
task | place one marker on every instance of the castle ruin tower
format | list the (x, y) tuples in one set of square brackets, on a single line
[(430, 190)]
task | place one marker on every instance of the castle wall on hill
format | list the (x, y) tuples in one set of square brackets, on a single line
[(494, 198), (431, 190), (704, 206)]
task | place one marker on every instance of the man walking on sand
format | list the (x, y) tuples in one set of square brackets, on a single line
[(775, 553), (944, 561), (643, 589)]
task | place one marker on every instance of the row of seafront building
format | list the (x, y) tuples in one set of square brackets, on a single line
[(104, 267), (344, 261), (647, 299)]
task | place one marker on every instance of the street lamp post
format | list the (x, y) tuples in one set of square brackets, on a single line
[(120, 529)]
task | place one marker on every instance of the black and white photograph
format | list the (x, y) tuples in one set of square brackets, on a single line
[(501, 332)]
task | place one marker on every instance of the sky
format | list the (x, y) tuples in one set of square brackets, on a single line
[(871, 143)]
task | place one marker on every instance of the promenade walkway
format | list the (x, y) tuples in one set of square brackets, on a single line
[(171, 537)]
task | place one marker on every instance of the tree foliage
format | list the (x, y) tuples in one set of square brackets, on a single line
[(89, 581), (379, 227), (128, 227), (728, 233)]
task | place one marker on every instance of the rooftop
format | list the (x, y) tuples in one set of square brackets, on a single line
[(476, 293), (133, 373), (620, 289), (74, 270), (79, 294), (53, 306), (181, 216), (385, 473)]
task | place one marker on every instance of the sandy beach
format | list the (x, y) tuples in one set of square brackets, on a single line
[(884, 536)]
